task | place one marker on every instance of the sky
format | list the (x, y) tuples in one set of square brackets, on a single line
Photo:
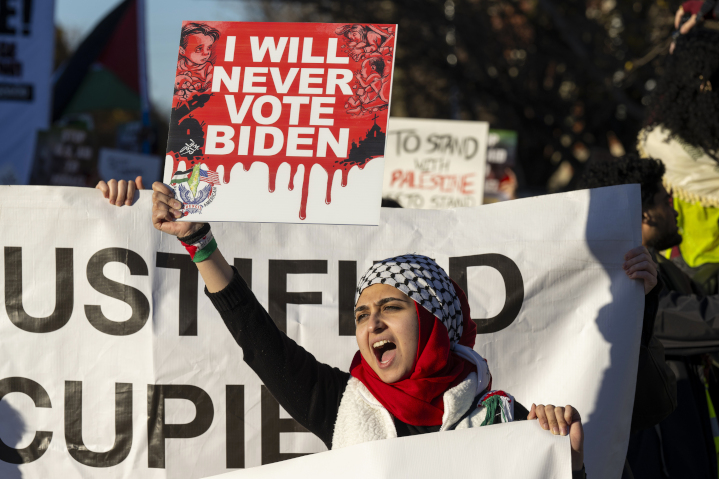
[(164, 20)]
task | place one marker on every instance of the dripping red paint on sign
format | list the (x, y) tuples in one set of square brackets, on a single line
[(280, 122)]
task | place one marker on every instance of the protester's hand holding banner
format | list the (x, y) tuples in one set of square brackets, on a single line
[(563, 284), (288, 119)]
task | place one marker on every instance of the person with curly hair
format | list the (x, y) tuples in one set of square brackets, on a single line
[(682, 130), (680, 443)]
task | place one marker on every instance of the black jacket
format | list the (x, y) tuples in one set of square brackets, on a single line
[(687, 325)]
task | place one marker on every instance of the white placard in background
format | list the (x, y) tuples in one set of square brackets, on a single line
[(27, 43), (126, 165), (435, 164)]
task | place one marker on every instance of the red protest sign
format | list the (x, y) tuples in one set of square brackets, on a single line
[(254, 102)]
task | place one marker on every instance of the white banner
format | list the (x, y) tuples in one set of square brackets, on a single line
[(26, 62), (435, 164), (106, 332), (508, 451)]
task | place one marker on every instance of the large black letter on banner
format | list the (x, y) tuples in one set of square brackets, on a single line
[(244, 267), (272, 426), (73, 427), (42, 439), (158, 431), (235, 422), (346, 292), (64, 292), (513, 286), (188, 289), (280, 298), (137, 301)]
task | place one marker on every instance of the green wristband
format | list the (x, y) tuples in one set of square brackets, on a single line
[(205, 252)]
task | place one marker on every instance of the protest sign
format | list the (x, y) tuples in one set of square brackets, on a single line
[(65, 156), (266, 114), (113, 361), (126, 165), (435, 164), (501, 159), (26, 63), (471, 453)]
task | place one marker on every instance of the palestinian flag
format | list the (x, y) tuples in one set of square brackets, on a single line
[(181, 176), (107, 71)]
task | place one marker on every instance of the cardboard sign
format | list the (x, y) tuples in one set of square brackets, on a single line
[(65, 156), (435, 164), (114, 363), (280, 122)]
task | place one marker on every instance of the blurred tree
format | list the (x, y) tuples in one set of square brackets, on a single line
[(572, 77)]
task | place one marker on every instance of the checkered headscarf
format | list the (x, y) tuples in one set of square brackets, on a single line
[(424, 281)]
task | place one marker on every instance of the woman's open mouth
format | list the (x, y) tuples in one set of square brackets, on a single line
[(385, 351)]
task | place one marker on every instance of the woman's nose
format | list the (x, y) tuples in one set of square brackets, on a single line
[(375, 322)]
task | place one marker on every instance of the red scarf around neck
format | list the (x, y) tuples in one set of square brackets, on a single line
[(417, 400)]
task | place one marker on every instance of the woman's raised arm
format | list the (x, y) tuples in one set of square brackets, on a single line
[(215, 270), (309, 390)]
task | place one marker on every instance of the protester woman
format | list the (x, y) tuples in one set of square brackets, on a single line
[(415, 371)]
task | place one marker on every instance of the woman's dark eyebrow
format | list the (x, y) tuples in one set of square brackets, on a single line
[(380, 303)]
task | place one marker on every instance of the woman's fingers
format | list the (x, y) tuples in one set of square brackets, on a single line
[(102, 186), (121, 192), (561, 422), (551, 419), (163, 194), (541, 413), (555, 419), (162, 213), (571, 415), (112, 196), (163, 189), (159, 198), (165, 208), (130, 193)]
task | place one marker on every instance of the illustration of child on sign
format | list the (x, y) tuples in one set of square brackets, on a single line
[(366, 40), (196, 60), (374, 87)]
